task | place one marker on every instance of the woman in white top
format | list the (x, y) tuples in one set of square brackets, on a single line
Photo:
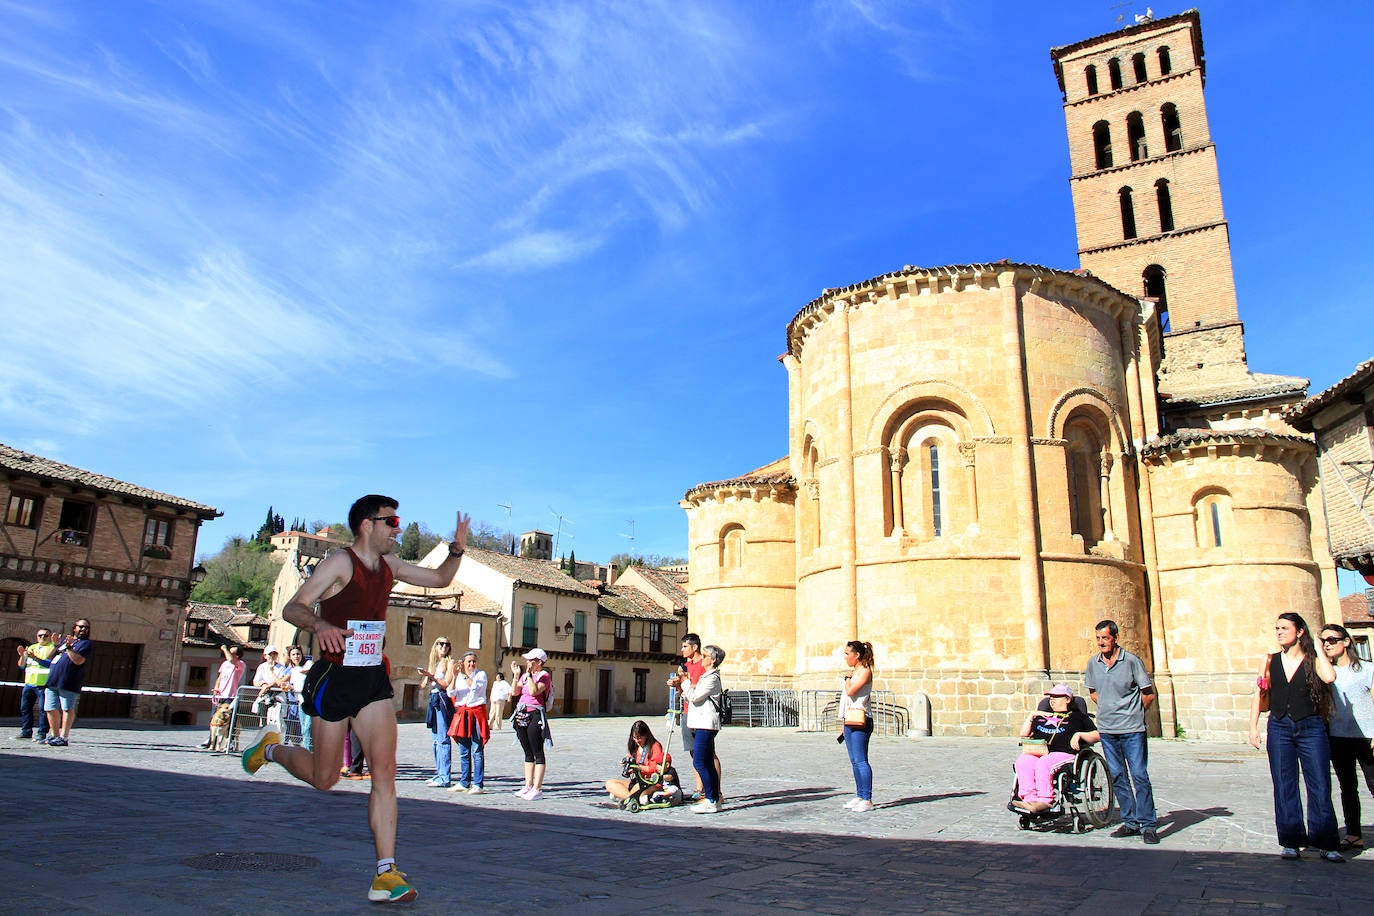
[(469, 729), (500, 693), (1351, 727), (438, 678), (704, 706), (295, 657), (858, 722)]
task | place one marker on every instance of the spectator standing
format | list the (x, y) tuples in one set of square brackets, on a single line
[(858, 721), (227, 683), (500, 693), (531, 692), (439, 714), (34, 660), (1297, 678), (470, 729), (692, 668), (66, 676), (1118, 684), (704, 703), (1351, 727), (300, 667)]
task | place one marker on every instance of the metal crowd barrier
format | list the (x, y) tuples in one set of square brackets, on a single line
[(763, 708), (254, 708), (820, 712)]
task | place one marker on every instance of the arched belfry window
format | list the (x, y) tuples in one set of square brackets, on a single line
[(1212, 520), (1084, 446), (1173, 131), (1155, 288), (1138, 63), (1102, 144), (1090, 74), (1166, 205), (1135, 136), (731, 547), (1127, 213), (1114, 72), (1165, 65)]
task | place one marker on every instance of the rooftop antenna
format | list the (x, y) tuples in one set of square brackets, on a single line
[(1124, 5), (510, 541), (559, 534), (631, 536)]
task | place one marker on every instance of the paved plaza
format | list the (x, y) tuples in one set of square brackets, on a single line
[(109, 825)]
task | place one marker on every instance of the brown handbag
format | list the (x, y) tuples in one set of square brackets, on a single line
[(1262, 682), (855, 717)]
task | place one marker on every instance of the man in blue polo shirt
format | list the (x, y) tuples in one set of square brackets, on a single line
[(1121, 688), (65, 678)]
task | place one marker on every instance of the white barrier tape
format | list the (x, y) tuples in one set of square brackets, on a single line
[(134, 693)]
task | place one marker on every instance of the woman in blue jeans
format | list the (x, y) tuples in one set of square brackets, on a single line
[(1298, 679), (705, 701), (438, 677), (858, 686)]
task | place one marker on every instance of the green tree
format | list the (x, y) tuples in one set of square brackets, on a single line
[(651, 560), (416, 541), (239, 570)]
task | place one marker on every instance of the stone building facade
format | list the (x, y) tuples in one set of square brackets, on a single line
[(986, 459), (74, 544)]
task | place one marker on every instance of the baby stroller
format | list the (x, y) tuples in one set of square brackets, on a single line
[(1082, 789), (662, 785)]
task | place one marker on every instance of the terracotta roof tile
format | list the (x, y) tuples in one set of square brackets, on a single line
[(1186, 437), (764, 477), (631, 603), (221, 618), (540, 573), (667, 583), (1363, 375), (1359, 607), (12, 459)]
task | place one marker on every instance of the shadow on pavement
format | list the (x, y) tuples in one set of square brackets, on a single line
[(137, 829)]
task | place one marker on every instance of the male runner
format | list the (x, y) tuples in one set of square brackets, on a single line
[(349, 684)]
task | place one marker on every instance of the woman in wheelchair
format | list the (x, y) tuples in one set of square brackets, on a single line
[(642, 765), (1050, 739)]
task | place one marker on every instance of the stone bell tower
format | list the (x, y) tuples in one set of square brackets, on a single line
[(1147, 196)]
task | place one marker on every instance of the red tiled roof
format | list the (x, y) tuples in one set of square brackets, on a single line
[(1357, 608), (1363, 375), (1186, 437), (630, 602), (15, 461), (539, 573)]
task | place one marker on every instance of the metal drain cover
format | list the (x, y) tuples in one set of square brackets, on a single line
[(250, 861)]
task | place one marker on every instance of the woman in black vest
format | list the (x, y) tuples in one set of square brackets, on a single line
[(1298, 678)]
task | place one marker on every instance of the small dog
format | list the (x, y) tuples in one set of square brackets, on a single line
[(219, 728)]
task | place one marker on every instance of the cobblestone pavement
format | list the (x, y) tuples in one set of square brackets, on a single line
[(104, 826)]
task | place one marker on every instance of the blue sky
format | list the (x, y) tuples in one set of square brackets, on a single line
[(543, 254)]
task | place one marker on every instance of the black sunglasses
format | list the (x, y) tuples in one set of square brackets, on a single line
[(1332, 640), (392, 521)]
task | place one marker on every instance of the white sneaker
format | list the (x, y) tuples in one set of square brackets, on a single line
[(477, 790), (862, 806), (849, 805), (533, 795), (706, 807), (520, 792)]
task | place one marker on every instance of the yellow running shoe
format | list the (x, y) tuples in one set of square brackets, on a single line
[(253, 757), (391, 887)]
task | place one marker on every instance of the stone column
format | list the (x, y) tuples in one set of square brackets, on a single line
[(845, 508), (1033, 607), (896, 462), (967, 452)]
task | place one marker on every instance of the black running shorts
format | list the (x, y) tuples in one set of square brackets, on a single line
[(335, 692)]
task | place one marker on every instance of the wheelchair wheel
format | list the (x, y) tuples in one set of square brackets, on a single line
[(1096, 791), (1023, 823), (632, 805)]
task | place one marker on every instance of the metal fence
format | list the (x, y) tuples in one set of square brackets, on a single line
[(763, 708), (820, 712), (254, 708)]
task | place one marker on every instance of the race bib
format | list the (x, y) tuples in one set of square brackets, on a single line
[(364, 647)]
